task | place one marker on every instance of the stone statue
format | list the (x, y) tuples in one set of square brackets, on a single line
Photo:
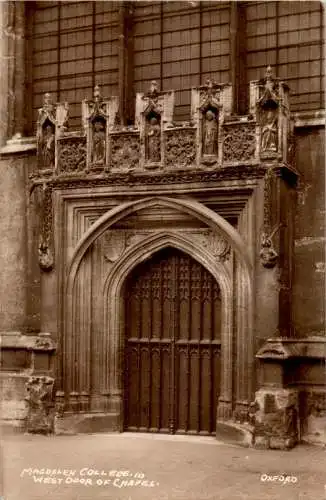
[(269, 132), (48, 146), (210, 134), (98, 153), (153, 139)]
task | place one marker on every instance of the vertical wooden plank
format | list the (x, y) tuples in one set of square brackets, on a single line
[(165, 387), (205, 384), (144, 387), (155, 388)]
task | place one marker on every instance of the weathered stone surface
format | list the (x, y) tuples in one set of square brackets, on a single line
[(276, 417), (40, 403)]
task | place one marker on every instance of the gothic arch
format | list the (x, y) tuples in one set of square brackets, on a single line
[(113, 302), (241, 313), (191, 207)]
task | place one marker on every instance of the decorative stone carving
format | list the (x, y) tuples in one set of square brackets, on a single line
[(272, 111), (153, 138), (46, 134), (125, 151), (154, 111), (72, 155), (99, 116), (52, 121), (115, 242), (98, 150), (269, 139), (207, 103), (209, 108), (210, 129), (239, 143), (218, 246), (44, 342), (40, 402), (268, 254), (45, 257), (45, 248), (180, 147)]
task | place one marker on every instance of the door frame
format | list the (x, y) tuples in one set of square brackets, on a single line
[(231, 281)]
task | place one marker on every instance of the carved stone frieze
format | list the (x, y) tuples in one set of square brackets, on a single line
[(180, 147), (40, 402), (72, 155), (125, 151), (239, 143)]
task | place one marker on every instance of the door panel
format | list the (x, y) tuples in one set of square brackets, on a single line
[(172, 346)]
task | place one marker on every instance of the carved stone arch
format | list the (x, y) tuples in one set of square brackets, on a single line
[(238, 284), (191, 207), (112, 293)]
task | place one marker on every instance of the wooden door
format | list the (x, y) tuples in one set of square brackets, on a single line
[(172, 346)]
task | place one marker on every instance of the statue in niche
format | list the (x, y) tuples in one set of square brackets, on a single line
[(210, 133), (153, 140), (48, 146), (269, 131), (98, 152)]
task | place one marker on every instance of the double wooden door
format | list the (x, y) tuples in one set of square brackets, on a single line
[(172, 346)]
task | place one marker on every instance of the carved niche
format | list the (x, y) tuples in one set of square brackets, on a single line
[(272, 112), (207, 103), (52, 121), (99, 116), (154, 110)]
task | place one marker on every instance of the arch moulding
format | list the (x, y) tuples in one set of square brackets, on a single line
[(237, 312)]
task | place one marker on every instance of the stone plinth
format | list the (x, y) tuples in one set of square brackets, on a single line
[(22, 357), (40, 405), (276, 419)]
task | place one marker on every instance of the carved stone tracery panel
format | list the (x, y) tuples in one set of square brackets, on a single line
[(180, 147), (72, 155), (239, 143), (125, 151)]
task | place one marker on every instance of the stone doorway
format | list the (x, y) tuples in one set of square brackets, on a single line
[(172, 346)]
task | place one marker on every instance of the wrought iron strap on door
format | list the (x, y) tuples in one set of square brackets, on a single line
[(172, 346)]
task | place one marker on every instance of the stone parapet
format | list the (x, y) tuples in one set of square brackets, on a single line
[(214, 138)]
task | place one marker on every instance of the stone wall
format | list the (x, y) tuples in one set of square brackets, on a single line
[(309, 270)]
